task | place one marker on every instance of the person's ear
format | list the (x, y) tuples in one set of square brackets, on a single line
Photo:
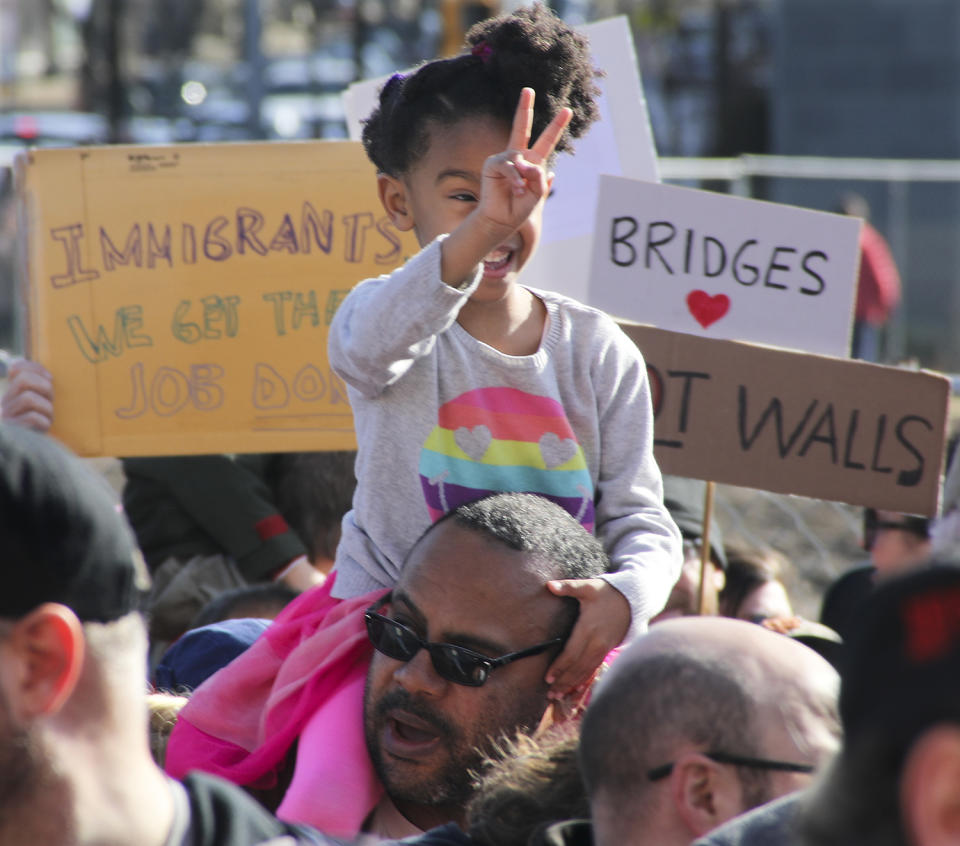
[(719, 578), (46, 649), (930, 788), (395, 201), (704, 793)]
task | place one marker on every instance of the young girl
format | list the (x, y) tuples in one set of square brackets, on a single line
[(462, 382)]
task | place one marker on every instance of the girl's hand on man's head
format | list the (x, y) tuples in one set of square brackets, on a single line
[(601, 626)]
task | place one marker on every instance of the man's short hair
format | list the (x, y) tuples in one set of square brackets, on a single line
[(636, 720), (556, 545), (62, 537), (532, 524)]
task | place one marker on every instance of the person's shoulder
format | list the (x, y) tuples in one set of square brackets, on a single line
[(578, 321), (222, 814), (768, 825), (568, 306)]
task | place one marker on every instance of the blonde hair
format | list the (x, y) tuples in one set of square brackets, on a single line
[(164, 709)]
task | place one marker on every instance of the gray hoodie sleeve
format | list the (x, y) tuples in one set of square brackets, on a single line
[(641, 538), (369, 348)]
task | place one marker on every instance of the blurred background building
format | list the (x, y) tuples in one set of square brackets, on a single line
[(865, 92)]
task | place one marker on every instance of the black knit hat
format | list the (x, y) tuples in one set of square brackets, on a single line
[(901, 665), (62, 536)]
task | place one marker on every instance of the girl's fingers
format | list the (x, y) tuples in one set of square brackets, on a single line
[(562, 673), (527, 171), (522, 121), (520, 174), (523, 124), (550, 136)]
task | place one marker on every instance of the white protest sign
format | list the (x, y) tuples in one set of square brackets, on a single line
[(620, 143), (725, 267)]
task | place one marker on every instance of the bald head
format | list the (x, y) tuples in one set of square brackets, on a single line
[(699, 685)]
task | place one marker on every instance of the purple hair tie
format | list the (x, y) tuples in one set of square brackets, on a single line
[(482, 51)]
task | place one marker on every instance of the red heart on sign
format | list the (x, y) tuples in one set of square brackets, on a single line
[(706, 309)]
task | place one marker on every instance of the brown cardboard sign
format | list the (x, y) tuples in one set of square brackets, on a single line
[(796, 423), (181, 296)]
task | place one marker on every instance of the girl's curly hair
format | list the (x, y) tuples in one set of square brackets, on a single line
[(531, 48)]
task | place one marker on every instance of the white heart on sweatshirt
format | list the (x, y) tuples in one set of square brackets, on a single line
[(556, 451), (474, 442)]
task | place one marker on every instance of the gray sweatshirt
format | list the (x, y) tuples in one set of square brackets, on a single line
[(442, 418)]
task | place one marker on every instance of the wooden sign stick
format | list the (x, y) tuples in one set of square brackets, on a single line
[(705, 543)]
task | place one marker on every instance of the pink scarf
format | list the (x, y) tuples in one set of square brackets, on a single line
[(241, 722)]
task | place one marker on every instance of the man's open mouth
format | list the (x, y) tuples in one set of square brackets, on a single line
[(406, 735)]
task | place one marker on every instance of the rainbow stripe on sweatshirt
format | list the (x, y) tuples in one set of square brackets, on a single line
[(502, 439)]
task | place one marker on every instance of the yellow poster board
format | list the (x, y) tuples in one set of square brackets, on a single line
[(181, 296)]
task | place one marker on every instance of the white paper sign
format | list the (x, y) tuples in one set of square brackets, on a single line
[(620, 143), (725, 267)]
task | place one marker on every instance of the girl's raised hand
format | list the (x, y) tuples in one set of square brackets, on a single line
[(515, 180)]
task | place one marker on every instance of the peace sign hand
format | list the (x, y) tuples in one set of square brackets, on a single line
[(513, 183), (516, 180)]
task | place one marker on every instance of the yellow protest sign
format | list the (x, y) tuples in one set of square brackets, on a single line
[(181, 296)]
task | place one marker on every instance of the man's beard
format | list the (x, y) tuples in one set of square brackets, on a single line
[(451, 783), (31, 799)]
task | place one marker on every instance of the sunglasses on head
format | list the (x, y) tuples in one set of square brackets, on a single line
[(453, 663), (664, 770)]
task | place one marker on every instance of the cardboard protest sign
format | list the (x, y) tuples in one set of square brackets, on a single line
[(795, 423), (181, 296), (620, 143), (725, 267)]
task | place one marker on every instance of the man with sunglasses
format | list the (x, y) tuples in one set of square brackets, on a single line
[(462, 646), (698, 721)]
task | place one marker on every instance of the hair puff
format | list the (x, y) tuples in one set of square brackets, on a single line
[(529, 48)]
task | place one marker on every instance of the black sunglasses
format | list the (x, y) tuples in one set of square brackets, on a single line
[(664, 770), (919, 526), (453, 663)]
